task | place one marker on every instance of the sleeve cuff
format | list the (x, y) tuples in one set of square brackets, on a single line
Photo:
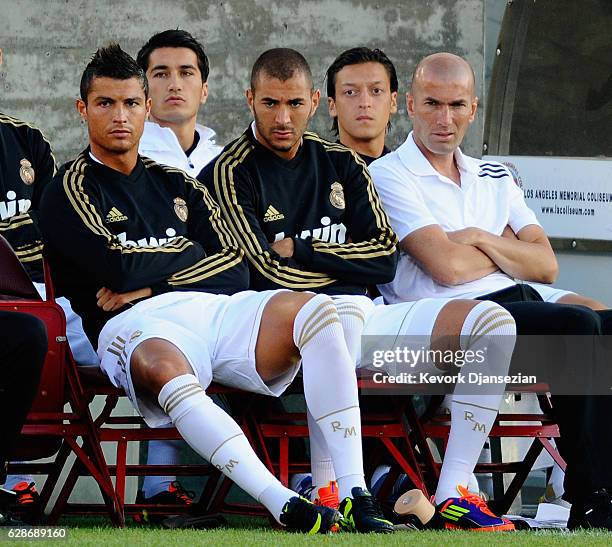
[(518, 224), (405, 230), (160, 288), (302, 250)]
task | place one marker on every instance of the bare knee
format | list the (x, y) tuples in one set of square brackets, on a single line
[(579, 300), (286, 305), (449, 322), (155, 362), (275, 351)]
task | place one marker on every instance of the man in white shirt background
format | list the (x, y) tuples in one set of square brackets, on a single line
[(465, 231), (177, 69)]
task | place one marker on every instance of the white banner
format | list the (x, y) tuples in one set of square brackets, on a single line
[(572, 198)]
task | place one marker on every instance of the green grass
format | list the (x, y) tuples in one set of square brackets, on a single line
[(248, 532), (267, 537)]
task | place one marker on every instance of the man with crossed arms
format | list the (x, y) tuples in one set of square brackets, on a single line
[(466, 232)]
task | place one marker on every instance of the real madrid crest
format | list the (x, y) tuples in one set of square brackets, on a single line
[(336, 196), (26, 172), (180, 208)]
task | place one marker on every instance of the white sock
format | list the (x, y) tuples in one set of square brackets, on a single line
[(218, 439), (445, 405), (352, 318), (557, 477), (473, 485), (330, 388), (160, 453), (353, 315), (489, 326), (485, 480), (321, 464), (381, 470)]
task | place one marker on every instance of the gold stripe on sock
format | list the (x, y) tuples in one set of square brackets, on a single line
[(485, 313), (351, 309), (500, 323), (185, 395), (359, 316), (323, 316), (224, 442), (313, 317), (477, 406), (319, 327), (177, 392), (497, 315), (335, 412)]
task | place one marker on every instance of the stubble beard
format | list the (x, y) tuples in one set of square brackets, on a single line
[(262, 134)]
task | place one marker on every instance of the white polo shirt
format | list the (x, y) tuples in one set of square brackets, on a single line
[(162, 145), (415, 195)]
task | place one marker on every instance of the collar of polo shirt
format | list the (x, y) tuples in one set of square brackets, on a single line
[(414, 160)]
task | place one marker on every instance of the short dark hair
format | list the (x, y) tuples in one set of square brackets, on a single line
[(174, 38), (358, 56), (111, 62), (280, 63)]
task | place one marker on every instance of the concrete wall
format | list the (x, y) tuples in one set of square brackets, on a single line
[(48, 42)]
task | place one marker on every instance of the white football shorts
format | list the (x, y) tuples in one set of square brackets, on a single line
[(217, 335)]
